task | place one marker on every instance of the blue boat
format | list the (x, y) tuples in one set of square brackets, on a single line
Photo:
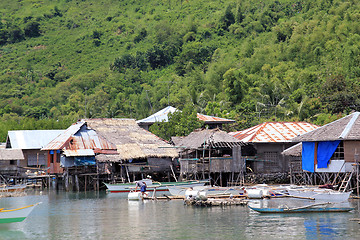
[(313, 208)]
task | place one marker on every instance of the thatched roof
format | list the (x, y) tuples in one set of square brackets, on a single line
[(11, 154), (131, 140), (346, 128), (295, 150), (209, 137), (176, 140)]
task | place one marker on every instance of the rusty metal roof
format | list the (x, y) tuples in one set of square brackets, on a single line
[(212, 119), (274, 132), (79, 136)]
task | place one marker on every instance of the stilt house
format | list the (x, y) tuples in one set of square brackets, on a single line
[(266, 143), (331, 149), (30, 143), (12, 162), (139, 152), (75, 149), (211, 153)]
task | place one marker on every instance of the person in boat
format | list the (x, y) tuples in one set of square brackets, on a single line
[(142, 186)]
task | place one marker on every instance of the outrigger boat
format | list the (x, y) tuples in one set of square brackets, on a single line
[(319, 194), (312, 208), (151, 186), (17, 214)]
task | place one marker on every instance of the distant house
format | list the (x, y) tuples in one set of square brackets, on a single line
[(162, 116), (30, 143), (211, 153), (332, 148), (266, 143)]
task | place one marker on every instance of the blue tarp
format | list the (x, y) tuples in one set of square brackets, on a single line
[(84, 161), (325, 151), (77, 161), (308, 149)]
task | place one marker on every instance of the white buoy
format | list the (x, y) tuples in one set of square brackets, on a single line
[(255, 193), (191, 193), (134, 196), (202, 196)]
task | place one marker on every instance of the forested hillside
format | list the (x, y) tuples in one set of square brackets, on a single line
[(248, 60)]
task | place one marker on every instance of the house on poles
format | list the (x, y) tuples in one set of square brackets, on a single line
[(213, 154), (330, 151), (139, 152), (267, 141)]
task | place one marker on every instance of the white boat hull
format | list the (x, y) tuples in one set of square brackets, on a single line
[(160, 187), (210, 191), (319, 194), (16, 215)]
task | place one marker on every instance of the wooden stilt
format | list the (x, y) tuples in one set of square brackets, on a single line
[(77, 183), (85, 183), (67, 181)]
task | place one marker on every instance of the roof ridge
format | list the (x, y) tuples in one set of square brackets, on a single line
[(350, 124)]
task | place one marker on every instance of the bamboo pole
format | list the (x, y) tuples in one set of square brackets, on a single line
[(308, 206)]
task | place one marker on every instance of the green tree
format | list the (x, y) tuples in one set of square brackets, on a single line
[(180, 123), (32, 29)]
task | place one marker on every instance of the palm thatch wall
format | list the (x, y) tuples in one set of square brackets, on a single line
[(131, 141)]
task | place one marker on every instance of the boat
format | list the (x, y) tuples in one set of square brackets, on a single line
[(319, 194), (13, 188), (16, 214), (209, 190), (312, 208), (152, 185)]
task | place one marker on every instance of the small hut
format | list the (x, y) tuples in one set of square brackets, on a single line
[(139, 151), (212, 153), (12, 162)]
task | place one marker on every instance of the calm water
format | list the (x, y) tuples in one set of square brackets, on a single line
[(108, 216)]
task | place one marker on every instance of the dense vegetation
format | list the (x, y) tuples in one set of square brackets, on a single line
[(248, 60)]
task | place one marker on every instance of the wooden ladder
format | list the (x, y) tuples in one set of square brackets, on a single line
[(346, 180)]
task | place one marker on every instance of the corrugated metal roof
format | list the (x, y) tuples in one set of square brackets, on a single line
[(274, 131), (31, 139), (159, 116), (162, 115), (79, 152), (213, 119), (60, 140), (79, 136)]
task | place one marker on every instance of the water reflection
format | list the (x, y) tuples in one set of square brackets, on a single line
[(109, 216)]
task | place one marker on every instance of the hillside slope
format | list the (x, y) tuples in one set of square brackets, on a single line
[(249, 60)]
